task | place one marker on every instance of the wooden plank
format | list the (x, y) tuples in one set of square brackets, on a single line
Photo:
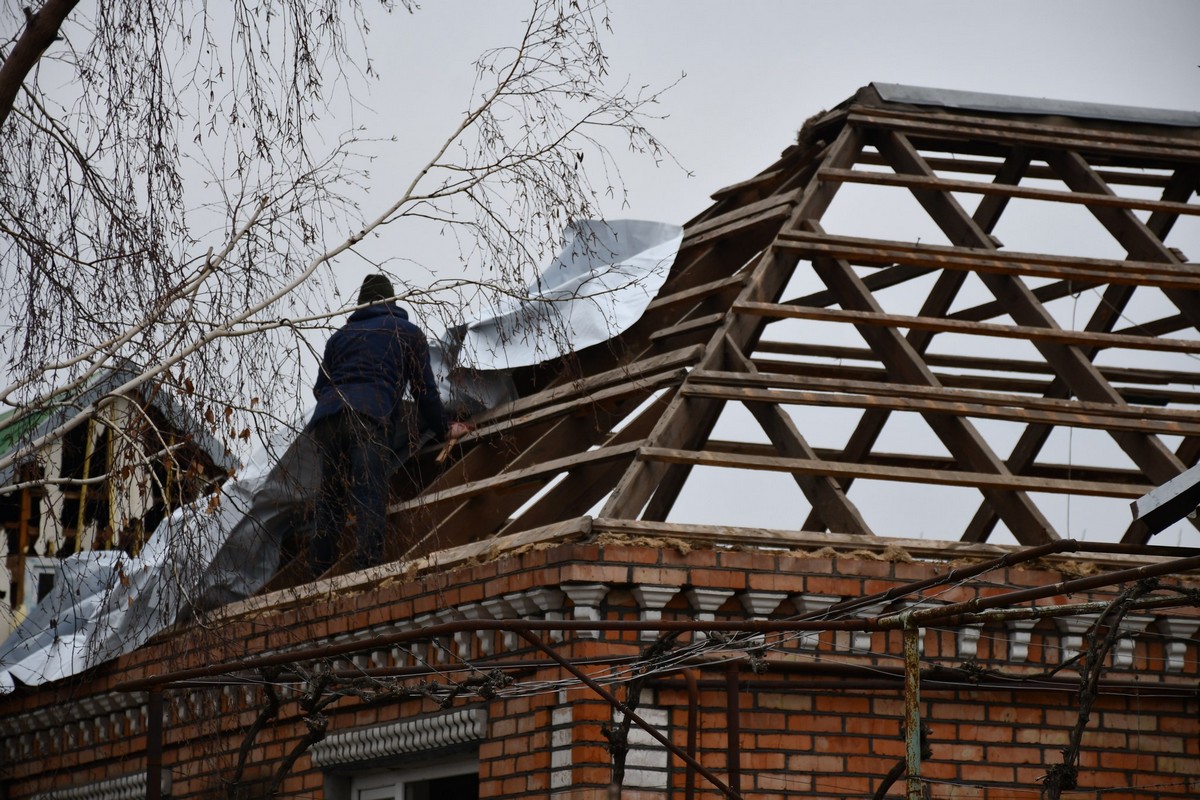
[(1182, 416), (683, 421), (583, 387), (1083, 472), (1005, 190), (689, 327), (1135, 395), (1076, 370), (700, 292), (943, 325), (502, 435), (992, 261), (642, 386), (1045, 293), (585, 486), (542, 471), (1158, 327), (991, 481), (956, 361), (828, 500), (975, 166), (773, 207), (883, 279), (947, 405), (1129, 149), (484, 514), (1024, 518)]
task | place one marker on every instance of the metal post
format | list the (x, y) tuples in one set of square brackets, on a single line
[(912, 708), (734, 726), (154, 737)]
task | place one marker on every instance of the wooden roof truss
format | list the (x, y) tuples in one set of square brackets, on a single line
[(618, 433)]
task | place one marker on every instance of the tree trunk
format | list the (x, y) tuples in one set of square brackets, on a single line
[(40, 31)]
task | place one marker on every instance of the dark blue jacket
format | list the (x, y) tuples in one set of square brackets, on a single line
[(369, 362)]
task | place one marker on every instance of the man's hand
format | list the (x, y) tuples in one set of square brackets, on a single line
[(456, 431)]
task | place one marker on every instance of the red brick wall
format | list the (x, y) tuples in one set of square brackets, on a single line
[(807, 728)]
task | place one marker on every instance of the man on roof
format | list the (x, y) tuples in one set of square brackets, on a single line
[(367, 366)]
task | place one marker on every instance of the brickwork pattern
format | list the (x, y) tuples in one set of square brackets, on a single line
[(807, 726)]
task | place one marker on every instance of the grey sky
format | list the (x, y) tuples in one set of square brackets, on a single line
[(756, 70)]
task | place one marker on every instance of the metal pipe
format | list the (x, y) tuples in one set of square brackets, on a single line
[(1068, 609), (628, 712), (953, 576), (518, 626), (733, 722), (154, 744), (693, 731), (951, 613), (1056, 684), (959, 574), (912, 708)]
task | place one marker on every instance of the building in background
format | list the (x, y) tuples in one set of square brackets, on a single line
[(105, 485)]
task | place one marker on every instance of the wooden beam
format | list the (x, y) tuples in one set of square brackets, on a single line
[(585, 387), (539, 472), (988, 260), (1076, 370), (1083, 472), (1026, 521), (956, 361), (828, 500), (701, 292), (883, 279), (943, 325), (1004, 190), (1135, 395), (1185, 417), (962, 164), (689, 327), (984, 481), (684, 419), (946, 401), (585, 486), (1131, 149)]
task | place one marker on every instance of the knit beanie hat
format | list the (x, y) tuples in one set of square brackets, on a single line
[(375, 287)]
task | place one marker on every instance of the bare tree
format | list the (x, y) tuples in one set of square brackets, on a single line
[(112, 254)]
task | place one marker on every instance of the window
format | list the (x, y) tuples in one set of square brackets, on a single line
[(458, 780)]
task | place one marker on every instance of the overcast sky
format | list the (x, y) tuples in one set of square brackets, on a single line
[(755, 70)]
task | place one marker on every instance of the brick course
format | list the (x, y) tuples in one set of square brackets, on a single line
[(807, 728)]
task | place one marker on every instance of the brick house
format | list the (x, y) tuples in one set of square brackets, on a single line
[(570, 611)]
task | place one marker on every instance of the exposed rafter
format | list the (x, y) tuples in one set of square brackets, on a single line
[(618, 431)]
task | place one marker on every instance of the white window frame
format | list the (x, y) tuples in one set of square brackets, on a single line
[(376, 785)]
